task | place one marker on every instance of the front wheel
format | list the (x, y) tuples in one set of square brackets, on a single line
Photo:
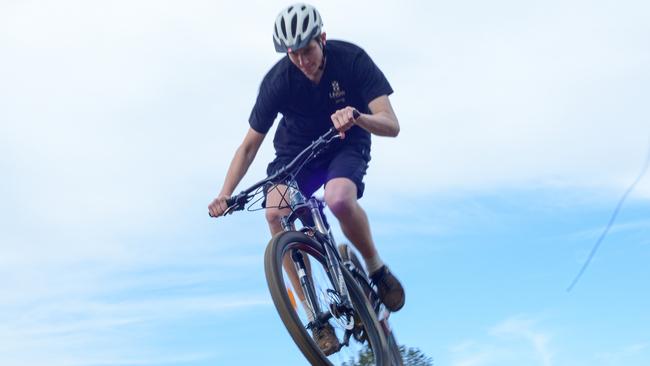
[(357, 329), (351, 260)]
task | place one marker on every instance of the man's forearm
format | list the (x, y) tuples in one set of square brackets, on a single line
[(238, 168), (381, 124)]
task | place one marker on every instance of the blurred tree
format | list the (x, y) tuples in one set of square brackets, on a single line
[(411, 357)]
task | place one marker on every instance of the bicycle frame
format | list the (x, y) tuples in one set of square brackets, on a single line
[(309, 212)]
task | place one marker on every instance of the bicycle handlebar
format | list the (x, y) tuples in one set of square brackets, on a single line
[(239, 201)]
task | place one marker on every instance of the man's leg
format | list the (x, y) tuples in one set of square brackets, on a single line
[(275, 198), (341, 197)]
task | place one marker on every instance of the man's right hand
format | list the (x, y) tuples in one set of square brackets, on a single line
[(218, 206)]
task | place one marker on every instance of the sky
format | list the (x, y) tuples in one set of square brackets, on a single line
[(522, 125)]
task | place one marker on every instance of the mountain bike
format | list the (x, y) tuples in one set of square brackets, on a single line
[(335, 287)]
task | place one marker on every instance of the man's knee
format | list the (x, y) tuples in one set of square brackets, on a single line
[(275, 198), (341, 196), (273, 216)]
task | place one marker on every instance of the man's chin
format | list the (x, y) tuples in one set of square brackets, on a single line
[(311, 73)]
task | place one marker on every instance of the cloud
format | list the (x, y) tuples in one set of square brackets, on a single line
[(593, 233), (115, 325), (514, 341), (634, 353), (525, 99), (492, 101), (518, 327)]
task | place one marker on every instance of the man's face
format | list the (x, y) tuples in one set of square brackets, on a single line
[(308, 59)]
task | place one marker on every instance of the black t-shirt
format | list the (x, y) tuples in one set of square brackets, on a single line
[(350, 78)]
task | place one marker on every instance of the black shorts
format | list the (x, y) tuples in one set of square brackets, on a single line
[(346, 162)]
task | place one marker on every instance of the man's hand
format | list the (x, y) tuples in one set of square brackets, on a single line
[(218, 206), (343, 119)]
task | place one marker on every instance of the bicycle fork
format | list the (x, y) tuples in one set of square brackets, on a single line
[(326, 238), (339, 297), (339, 303)]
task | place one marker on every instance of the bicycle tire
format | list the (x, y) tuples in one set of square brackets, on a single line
[(347, 254), (393, 349), (278, 247)]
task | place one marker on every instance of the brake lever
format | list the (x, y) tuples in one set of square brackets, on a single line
[(337, 136), (235, 204), (230, 210)]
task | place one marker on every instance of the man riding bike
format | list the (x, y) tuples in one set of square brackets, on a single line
[(319, 84)]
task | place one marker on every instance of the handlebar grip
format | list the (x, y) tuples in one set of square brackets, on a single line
[(236, 203), (232, 206), (356, 114), (231, 201)]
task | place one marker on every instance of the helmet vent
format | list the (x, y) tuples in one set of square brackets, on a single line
[(305, 23), (284, 28), (294, 24)]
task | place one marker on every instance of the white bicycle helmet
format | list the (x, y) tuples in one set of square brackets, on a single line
[(295, 27)]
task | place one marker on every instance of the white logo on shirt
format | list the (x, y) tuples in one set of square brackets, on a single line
[(337, 93)]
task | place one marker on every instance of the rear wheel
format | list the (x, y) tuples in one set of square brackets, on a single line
[(358, 326)]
